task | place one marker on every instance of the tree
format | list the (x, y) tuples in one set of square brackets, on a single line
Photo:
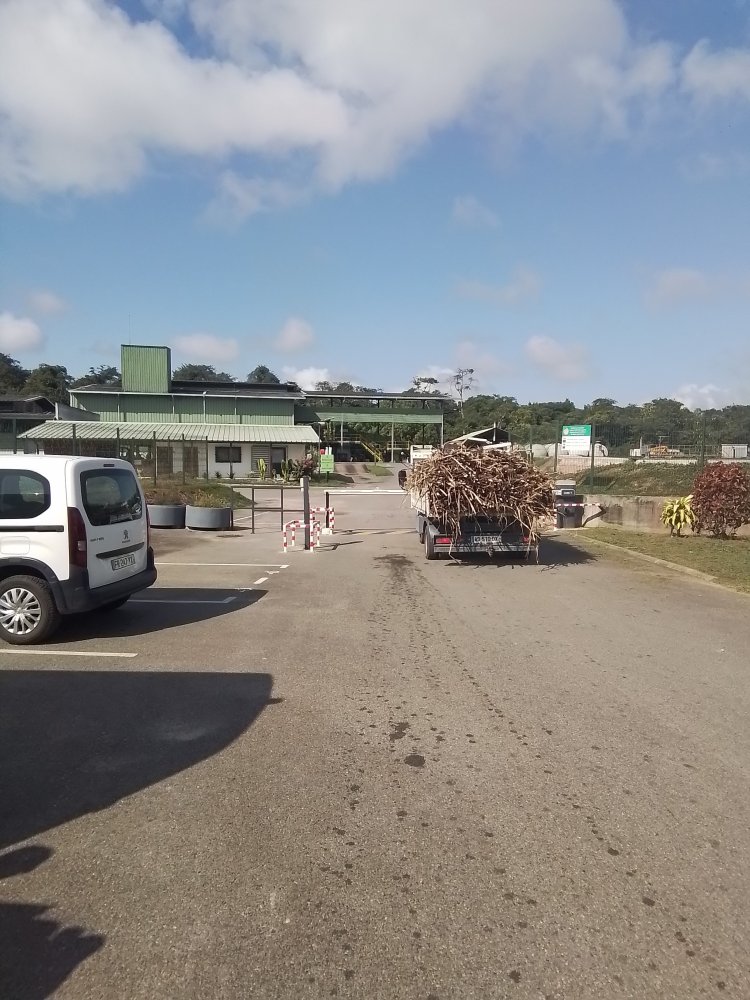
[(51, 381), (103, 375), (12, 376), (262, 375), (200, 373), (462, 381)]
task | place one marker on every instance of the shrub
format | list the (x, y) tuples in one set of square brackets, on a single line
[(679, 514), (721, 499)]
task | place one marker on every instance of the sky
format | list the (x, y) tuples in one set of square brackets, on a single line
[(551, 192)]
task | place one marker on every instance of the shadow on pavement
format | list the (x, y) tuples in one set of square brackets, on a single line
[(157, 609), (75, 742), (552, 553), (38, 952)]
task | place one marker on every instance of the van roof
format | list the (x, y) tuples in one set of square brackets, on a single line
[(51, 462)]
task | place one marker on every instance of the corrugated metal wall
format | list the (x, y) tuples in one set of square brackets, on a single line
[(146, 369), (187, 409)]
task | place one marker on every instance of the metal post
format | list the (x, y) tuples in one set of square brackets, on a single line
[(231, 466), (155, 453), (393, 445), (557, 444), (15, 435), (306, 509), (591, 467), (282, 508), (328, 504), (206, 453), (75, 441), (531, 444), (342, 432), (703, 443), (442, 426), (252, 510), (183, 459), (117, 443)]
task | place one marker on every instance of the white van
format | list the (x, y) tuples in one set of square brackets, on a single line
[(74, 537)]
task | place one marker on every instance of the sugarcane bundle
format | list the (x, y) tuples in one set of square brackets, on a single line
[(469, 483)]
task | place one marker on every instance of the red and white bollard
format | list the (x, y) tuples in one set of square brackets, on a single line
[(331, 518), (314, 534), (290, 528)]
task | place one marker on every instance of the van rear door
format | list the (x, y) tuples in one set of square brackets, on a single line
[(114, 511)]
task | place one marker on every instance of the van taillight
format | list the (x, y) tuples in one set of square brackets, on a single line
[(77, 538), (148, 527)]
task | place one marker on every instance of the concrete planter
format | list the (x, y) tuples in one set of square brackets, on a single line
[(208, 518), (167, 515)]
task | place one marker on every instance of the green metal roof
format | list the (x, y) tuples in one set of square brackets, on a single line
[(100, 430)]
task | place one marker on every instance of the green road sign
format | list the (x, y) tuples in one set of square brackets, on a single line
[(577, 430), (326, 463)]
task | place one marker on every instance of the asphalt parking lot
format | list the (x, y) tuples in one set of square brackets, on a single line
[(355, 773)]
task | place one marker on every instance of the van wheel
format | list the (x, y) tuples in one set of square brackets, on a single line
[(28, 613), (114, 605)]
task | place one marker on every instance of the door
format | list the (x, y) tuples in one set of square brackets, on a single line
[(261, 451), (34, 514), (190, 461), (278, 456), (114, 511)]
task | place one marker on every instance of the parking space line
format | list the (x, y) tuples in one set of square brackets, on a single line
[(63, 652), (167, 600), (245, 565), (261, 580)]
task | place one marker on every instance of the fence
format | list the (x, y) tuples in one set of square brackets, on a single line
[(626, 459)]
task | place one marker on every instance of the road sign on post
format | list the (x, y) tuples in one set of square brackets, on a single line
[(326, 463)]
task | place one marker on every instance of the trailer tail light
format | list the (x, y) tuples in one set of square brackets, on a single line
[(526, 539), (443, 540), (76, 538)]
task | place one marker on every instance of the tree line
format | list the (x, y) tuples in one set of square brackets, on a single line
[(540, 421)]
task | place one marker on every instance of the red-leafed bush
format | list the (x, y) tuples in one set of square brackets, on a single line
[(721, 499)]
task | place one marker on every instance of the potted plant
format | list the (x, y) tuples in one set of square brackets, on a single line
[(206, 513), (165, 509)]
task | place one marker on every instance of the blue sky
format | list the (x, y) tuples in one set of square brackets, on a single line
[(553, 192)]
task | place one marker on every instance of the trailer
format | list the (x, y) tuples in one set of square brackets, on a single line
[(478, 536)]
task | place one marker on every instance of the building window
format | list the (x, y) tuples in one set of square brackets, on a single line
[(226, 454)]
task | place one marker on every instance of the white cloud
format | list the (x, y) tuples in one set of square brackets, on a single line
[(487, 367), (566, 362), (469, 211), (295, 335), (308, 378), (715, 166), (677, 285), (524, 284), (206, 347), (237, 198), (87, 96), (702, 397), (349, 89), (709, 76), (46, 303), (19, 334)]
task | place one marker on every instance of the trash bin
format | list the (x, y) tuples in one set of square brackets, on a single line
[(568, 504)]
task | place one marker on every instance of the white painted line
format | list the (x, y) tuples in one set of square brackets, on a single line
[(165, 600), (249, 565), (62, 652), (263, 579)]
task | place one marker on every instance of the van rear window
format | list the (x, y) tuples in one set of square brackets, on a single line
[(23, 494), (111, 496)]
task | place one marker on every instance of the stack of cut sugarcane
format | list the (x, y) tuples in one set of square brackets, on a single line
[(467, 483)]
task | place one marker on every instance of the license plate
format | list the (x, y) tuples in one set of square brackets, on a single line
[(486, 539), (121, 562)]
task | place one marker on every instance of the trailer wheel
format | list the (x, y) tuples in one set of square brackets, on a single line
[(429, 545), (421, 531)]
